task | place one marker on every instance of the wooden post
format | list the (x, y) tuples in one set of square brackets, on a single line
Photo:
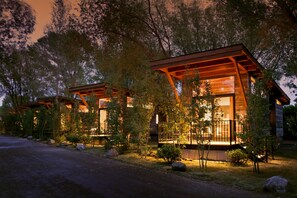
[(240, 81), (172, 85), (83, 99)]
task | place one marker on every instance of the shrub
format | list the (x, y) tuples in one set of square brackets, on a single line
[(145, 150), (169, 153), (108, 144), (60, 139), (73, 138), (86, 139), (237, 157)]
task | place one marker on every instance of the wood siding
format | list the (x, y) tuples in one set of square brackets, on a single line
[(240, 108), (279, 120)]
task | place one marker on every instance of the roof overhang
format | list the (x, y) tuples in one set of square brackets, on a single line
[(215, 63), (99, 90)]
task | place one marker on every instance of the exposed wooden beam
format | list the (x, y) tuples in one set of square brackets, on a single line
[(83, 99), (172, 85), (240, 82)]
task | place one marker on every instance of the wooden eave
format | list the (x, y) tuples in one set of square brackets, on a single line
[(48, 102), (227, 61), (212, 63), (99, 90), (278, 93)]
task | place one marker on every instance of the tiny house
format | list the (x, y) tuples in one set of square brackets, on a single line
[(231, 72)]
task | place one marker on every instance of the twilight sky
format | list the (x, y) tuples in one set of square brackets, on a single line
[(43, 8)]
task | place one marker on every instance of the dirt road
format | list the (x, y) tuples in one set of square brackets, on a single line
[(32, 169)]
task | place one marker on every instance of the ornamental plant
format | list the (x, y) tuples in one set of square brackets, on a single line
[(169, 152), (237, 157)]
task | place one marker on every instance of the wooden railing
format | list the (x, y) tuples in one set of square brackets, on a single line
[(223, 131)]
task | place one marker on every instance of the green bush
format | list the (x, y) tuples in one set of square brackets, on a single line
[(107, 144), (237, 157), (169, 153), (73, 138), (60, 139), (86, 139)]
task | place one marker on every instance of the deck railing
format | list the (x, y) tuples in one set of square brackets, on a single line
[(223, 131)]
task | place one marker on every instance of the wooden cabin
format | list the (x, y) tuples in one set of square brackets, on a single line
[(102, 92), (41, 119), (231, 72)]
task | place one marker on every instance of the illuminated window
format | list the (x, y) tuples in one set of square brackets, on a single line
[(103, 102), (219, 86), (225, 111), (129, 102), (103, 120)]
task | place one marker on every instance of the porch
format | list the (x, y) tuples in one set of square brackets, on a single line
[(223, 136)]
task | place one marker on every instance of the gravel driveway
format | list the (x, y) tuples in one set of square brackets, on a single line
[(32, 169)]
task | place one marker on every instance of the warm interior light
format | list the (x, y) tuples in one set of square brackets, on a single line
[(157, 119)]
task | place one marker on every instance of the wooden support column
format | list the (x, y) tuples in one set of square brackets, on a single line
[(240, 81), (83, 99), (172, 85)]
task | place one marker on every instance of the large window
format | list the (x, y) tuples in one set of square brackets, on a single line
[(103, 114), (221, 86), (103, 120), (225, 111)]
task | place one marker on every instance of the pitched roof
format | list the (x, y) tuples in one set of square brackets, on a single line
[(216, 63)]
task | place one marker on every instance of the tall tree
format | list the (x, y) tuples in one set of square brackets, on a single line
[(278, 30), (17, 22), (61, 17), (16, 77), (68, 60), (141, 22)]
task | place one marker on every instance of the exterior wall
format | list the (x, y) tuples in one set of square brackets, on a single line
[(279, 121), (219, 155)]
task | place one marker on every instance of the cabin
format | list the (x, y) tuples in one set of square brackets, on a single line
[(102, 93), (231, 72), (47, 115)]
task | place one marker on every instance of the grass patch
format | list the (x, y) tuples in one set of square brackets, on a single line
[(242, 177), (224, 173)]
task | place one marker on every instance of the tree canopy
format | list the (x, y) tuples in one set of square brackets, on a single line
[(17, 22)]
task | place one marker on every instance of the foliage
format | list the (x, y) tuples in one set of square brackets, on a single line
[(201, 116), (128, 74), (256, 124), (44, 124), (60, 17), (115, 126), (169, 152), (145, 150), (63, 63), (237, 157), (12, 124), (89, 117), (17, 22), (60, 139), (73, 138), (28, 122), (290, 121), (140, 22), (108, 145), (85, 138), (17, 79)]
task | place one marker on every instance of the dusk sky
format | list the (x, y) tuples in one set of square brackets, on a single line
[(43, 8)]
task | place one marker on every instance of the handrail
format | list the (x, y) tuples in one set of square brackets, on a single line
[(223, 131)]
